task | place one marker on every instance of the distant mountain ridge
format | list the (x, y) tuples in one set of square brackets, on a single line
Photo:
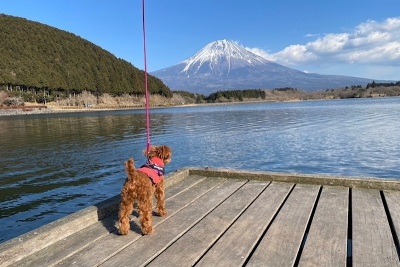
[(225, 65)]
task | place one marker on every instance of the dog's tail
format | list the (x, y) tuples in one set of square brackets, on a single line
[(130, 167)]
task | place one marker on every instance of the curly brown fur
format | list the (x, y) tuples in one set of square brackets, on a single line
[(162, 152), (138, 187)]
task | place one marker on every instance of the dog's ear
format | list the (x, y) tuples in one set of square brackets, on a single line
[(150, 153), (165, 152)]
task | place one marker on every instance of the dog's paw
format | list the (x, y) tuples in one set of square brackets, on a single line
[(147, 231), (123, 231), (161, 213)]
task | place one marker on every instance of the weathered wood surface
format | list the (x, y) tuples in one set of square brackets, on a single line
[(373, 243), (113, 243), (281, 243), (326, 243), (234, 247), (215, 221), (187, 249), (393, 202), (81, 239), (174, 227)]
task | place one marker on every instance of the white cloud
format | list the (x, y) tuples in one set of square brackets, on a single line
[(370, 42), (311, 35), (262, 53)]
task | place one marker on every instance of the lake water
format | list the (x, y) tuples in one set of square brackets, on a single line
[(54, 164)]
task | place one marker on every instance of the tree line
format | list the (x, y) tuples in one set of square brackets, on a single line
[(236, 95), (374, 84)]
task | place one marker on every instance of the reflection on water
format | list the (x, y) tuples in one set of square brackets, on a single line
[(55, 164)]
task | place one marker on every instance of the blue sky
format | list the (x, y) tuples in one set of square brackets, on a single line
[(353, 37)]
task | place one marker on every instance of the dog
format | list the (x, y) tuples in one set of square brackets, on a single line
[(140, 185)]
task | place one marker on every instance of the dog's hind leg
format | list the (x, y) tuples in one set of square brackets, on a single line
[(125, 210), (160, 197), (145, 216)]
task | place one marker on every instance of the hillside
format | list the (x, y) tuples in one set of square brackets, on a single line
[(36, 57)]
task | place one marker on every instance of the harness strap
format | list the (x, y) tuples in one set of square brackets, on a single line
[(158, 169), (154, 168)]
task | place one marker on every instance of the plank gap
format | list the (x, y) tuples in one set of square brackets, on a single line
[(303, 242), (269, 225), (233, 222), (187, 230), (349, 260), (392, 228)]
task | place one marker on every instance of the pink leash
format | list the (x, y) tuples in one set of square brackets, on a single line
[(145, 81)]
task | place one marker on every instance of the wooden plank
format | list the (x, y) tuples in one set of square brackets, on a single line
[(111, 244), (183, 185), (29, 243), (145, 249), (373, 243), (326, 243), (236, 244), (300, 178), (281, 243), (188, 249), (71, 244), (68, 245), (393, 202)]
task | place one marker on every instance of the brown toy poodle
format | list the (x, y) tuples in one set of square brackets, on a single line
[(140, 185)]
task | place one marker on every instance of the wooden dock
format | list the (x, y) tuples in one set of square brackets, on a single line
[(231, 218)]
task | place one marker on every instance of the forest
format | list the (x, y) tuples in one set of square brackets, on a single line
[(39, 60)]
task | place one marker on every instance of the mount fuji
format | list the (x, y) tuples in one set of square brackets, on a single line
[(225, 65)]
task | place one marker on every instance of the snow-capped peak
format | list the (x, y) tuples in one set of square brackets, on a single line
[(221, 57)]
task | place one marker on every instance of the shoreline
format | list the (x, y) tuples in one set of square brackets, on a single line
[(38, 109), (53, 110)]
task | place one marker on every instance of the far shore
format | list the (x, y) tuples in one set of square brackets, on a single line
[(38, 109), (33, 108)]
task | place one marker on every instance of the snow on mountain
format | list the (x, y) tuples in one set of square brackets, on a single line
[(225, 65), (221, 57)]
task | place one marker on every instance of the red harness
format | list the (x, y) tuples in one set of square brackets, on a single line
[(154, 168)]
